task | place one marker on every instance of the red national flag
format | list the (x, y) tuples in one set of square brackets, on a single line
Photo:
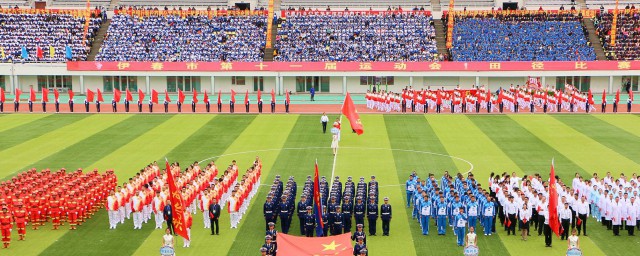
[(246, 98), (100, 99), (273, 95), (590, 97), (140, 95), (604, 95), (195, 96), (219, 95), (554, 221), (39, 52), (128, 96), (56, 94), (579, 221), (117, 94), (332, 245), (206, 97), (17, 95), (288, 100), (617, 96), (259, 96), (166, 96), (180, 96), (317, 204), (154, 96), (233, 96), (2, 97), (45, 95), (349, 110), (70, 94), (90, 95), (177, 204), (32, 95)]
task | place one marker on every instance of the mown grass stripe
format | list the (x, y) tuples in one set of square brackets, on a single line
[(293, 162), (34, 128), (625, 122), (23, 155), (11, 121), (172, 135)]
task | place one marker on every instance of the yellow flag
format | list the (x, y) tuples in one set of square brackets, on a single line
[(52, 51), (2, 52)]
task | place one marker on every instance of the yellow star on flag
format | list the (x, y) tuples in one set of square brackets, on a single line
[(332, 246)]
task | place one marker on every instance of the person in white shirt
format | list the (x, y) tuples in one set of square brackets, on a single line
[(324, 120), (573, 240), (471, 238), (525, 217), (616, 217), (565, 220), (542, 210), (233, 210), (582, 210), (511, 209), (547, 230), (632, 215)]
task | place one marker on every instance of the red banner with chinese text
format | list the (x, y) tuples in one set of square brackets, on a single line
[(177, 205)]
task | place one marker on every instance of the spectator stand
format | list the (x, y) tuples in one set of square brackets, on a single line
[(627, 45)]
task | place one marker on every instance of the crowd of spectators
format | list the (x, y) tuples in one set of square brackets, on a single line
[(627, 45), (542, 36), (30, 31), (356, 37), (187, 38)]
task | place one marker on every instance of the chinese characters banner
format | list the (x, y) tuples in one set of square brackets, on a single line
[(353, 66)]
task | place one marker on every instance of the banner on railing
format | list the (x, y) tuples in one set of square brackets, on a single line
[(354, 66)]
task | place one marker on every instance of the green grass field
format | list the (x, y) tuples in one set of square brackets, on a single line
[(391, 147)]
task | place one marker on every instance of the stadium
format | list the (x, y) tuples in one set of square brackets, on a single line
[(134, 127)]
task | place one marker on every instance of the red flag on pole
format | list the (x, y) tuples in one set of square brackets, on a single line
[(195, 96), (233, 96), (590, 97), (604, 95), (219, 94), (349, 110), (287, 99), (617, 96), (166, 96), (32, 95), (128, 96), (56, 94), (246, 97), (631, 95), (140, 95), (154, 96), (554, 221), (100, 99), (259, 95), (317, 204), (90, 95), (206, 97), (180, 96), (2, 97), (339, 245), (17, 95), (71, 95), (45, 95), (117, 94), (39, 52), (273, 95), (177, 205)]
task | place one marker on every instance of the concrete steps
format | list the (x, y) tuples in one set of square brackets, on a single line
[(97, 42)]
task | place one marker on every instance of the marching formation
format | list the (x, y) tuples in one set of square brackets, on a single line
[(33, 198)]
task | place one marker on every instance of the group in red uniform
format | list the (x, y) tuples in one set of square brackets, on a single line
[(33, 198)]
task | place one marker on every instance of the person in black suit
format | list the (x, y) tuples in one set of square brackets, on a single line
[(214, 215), (167, 213)]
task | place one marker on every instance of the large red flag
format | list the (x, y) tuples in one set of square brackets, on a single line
[(32, 95), (2, 98), (590, 97), (117, 94), (71, 95), (56, 94), (180, 96), (177, 205), (100, 98), (140, 95), (259, 96), (617, 96), (233, 96), (90, 95), (349, 110), (206, 97), (39, 52), (219, 94), (246, 97), (317, 204), (287, 99), (273, 95), (604, 95), (166, 96), (45, 95), (17, 95), (154, 96), (195, 96), (554, 221), (332, 245), (631, 95), (128, 96)]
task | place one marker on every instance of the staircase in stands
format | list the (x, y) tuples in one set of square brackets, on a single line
[(441, 36), (435, 5), (97, 42), (594, 39)]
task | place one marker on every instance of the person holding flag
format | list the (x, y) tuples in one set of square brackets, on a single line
[(180, 100), (246, 101), (616, 101), (232, 101), (273, 101), (45, 99), (207, 104), (116, 98), (219, 101), (98, 100), (140, 100), (552, 221), (604, 101), (194, 101), (16, 100), (259, 101), (175, 204), (317, 204), (2, 99), (287, 101), (32, 98), (154, 99), (128, 98), (70, 100), (349, 110), (166, 101), (89, 98), (629, 101)]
